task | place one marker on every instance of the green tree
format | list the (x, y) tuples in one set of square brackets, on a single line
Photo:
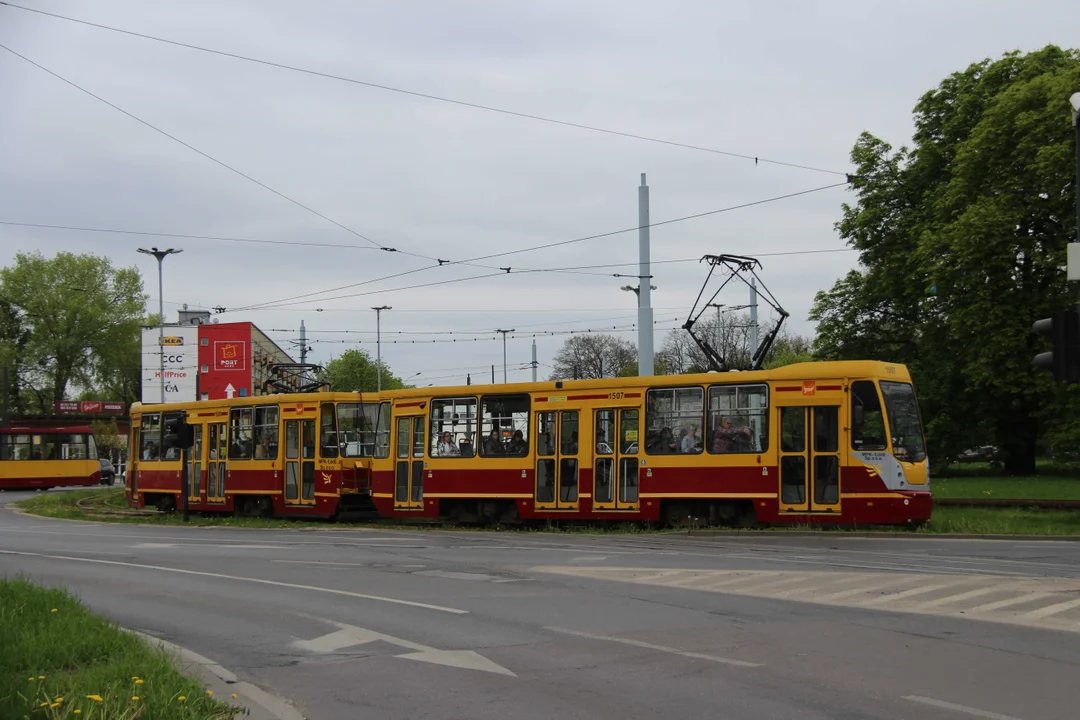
[(586, 357), (961, 239), (356, 371), (79, 319)]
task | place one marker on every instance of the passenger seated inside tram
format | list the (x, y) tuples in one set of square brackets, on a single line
[(446, 446), (517, 446), (493, 444), (728, 438), (663, 443), (691, 443), (570, 447)]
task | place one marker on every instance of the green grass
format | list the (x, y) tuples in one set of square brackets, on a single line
[(1003, 521), (1036, 487), (992, 521), (63, 505), (59, 660)]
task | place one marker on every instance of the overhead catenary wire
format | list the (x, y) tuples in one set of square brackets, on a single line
[(757, 159), (375, 245), (301, 299)]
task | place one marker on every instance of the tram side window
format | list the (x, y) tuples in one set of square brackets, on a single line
[(170, 447), (150, 437), (364, 429), (328, 432), (673, 420), (266, 432), (504, 425), (453, 427), (867, 418), (16, 447), (738, 419), (241, 439)]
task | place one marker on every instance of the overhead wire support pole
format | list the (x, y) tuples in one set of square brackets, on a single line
[(645, 313), (504, 332), (378, 345)]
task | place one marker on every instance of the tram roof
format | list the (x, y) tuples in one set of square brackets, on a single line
[(797, 372)]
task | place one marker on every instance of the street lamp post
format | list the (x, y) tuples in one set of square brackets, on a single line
[(161, 255), (378, 344), (504, 351)]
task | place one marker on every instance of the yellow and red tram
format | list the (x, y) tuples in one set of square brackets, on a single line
[(834, 442), (45, 457)]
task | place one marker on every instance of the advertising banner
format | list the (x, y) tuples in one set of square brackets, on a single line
[(179, 352)]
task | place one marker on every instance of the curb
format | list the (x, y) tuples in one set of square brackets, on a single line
[(880, 535), (258, 703)]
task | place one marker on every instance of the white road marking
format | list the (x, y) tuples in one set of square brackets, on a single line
[(1052, 609), (350, 635), (661, 648), (261, 581), (974, 712), (589, 558), (453, 575)]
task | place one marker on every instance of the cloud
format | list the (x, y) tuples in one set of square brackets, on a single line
[(790, 81)]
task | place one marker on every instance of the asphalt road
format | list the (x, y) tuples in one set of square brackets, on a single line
[(370, 623)]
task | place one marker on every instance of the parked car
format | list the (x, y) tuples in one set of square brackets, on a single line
[(108, 472), (983, 453)]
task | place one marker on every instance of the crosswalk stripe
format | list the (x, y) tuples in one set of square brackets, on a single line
[(1052, 609)]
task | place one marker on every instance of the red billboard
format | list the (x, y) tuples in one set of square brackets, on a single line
[(225, 361)]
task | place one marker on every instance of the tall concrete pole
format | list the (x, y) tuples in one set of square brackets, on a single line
[(534, 359), (753, 317), (378, 345), (504, 353), (645, 313)]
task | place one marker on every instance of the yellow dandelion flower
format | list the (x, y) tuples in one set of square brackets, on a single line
[(55, 705), (134, 697), (53, 610), (234, 696), (40, 677), (59, 699), (138, 682), (43, 704), (209, 692), (32, 679), (182, 698), (134, 677), (95, 698)]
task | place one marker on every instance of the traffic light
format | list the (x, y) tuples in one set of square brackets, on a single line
[(1063, 330)]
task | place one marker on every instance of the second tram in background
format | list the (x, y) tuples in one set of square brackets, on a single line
[(837, 442)]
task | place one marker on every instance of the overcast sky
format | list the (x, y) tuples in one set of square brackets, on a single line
[(788, 81)]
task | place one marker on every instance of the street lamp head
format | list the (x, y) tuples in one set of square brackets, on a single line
[(160, 254), (1075, 100)]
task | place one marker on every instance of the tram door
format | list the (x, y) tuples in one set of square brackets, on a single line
[(299, 462), (409, 463), (218, 464), (810, 459), (557, 450), (615, 483), (134, 451), (195, 466)]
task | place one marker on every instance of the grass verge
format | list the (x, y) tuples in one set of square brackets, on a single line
[(945, 520), (60, 661), (1003, 521), (1036, 487)]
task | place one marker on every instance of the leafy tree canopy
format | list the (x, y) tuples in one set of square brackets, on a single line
[(961, 239), (584, 357), (355, 371), (70, 321)]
